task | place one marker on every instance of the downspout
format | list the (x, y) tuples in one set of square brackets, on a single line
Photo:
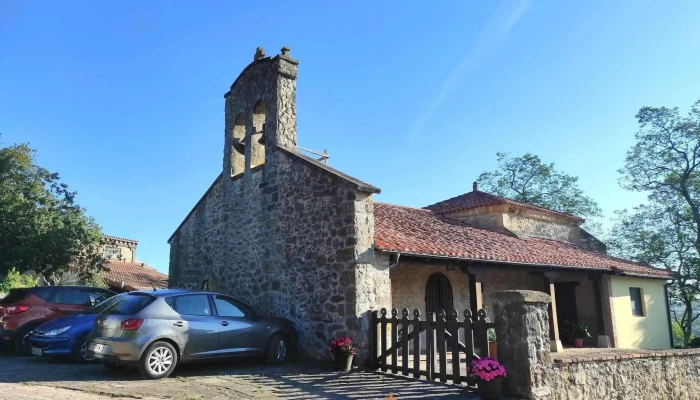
[(668, 314)]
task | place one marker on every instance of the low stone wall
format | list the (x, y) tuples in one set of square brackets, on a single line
[(667, 375)]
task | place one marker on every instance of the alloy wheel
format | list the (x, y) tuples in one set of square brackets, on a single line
[(160, 360), (84, 353)]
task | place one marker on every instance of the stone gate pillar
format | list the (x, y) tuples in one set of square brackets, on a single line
[(522, 330)]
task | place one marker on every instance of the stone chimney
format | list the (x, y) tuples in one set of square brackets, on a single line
[(475, 186)]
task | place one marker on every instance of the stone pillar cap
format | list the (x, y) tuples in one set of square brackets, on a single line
[(520, 296)]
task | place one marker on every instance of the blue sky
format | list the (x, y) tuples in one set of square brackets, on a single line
[(124, 99)]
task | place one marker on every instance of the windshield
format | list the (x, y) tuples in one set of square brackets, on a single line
[(130, 304), (99, 307)]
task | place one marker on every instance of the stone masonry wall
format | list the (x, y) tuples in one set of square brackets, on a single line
[(667, 375), (288, 248)]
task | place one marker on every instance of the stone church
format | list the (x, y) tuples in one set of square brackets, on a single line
[(299, 239)]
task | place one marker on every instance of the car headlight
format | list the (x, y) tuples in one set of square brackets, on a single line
[(56, 332)]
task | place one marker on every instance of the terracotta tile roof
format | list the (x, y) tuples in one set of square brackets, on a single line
[(134, 275), (477, 199), (423, 232)]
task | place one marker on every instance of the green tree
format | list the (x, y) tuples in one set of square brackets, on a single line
[(529, 180), (664, 163), (42, 229)]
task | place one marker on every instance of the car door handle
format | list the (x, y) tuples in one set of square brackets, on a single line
[(178, 324), (224, 323)]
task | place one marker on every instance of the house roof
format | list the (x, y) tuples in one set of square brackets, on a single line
[(119, 238), (134, 275), (476, 199), (415, 231)]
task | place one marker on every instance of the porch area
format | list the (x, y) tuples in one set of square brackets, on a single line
[(578, 296)]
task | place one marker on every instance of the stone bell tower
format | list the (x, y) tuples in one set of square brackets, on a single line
[(260, 112)]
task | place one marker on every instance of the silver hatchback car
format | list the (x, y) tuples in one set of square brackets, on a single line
[(156, 330)]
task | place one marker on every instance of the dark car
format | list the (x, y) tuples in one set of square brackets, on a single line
[(22, 310), (66, 336), (156, 330)]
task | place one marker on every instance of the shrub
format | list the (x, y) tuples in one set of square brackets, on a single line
[(694, 342)]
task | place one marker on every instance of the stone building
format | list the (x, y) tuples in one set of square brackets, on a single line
[(123, 271), (301, 240)]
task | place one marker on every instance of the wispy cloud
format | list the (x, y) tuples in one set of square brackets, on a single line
[(501, 23)]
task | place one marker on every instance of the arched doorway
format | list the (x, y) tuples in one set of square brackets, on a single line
[(438, 293)]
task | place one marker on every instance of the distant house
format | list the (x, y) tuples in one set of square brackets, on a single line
[(299, 239), (123, 272)]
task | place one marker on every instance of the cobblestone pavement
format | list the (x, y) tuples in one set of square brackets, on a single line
[(35, 378)]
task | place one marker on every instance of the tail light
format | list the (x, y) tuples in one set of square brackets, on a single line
[(132, 324), (17, 309)]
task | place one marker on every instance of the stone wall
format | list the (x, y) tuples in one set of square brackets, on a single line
[(408, 283), (662, 375), (527, 223)]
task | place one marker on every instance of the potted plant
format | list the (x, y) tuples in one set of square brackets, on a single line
[(343, 352), (493, 348), (489, 375), (578, 333)]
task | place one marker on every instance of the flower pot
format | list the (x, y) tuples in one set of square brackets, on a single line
[(578, 342), (489, 390), (344, 362), (493, 350)]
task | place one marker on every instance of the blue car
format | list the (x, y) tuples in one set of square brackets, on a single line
[(66, 336)]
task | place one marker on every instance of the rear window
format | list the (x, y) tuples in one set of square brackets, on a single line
[(130, 304), (14, 296)]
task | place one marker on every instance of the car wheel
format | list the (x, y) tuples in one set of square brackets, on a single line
[(158, 361), (22, 346), (277, 350), (80, 353)]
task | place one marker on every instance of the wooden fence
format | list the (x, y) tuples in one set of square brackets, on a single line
[(438, 353)]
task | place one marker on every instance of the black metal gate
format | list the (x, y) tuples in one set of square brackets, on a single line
[(438, 294)]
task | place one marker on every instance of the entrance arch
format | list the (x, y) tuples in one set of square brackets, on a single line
[(438, 294)]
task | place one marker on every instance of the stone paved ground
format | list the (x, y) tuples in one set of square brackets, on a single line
[(35, 378)]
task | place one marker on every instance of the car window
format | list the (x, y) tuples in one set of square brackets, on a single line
[(130, 304), (14, 296), (195, 304), (97, 296), (69, 296), (227, 307), (98, 308), (43, 292)]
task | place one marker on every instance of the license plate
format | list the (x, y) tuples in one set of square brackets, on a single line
[(97, 348), (36, 352)]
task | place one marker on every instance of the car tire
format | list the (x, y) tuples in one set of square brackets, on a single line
[(21, 345), (158, 361), (79, 352), (277, 350)]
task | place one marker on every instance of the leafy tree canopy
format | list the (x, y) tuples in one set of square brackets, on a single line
[(529, 180), (42, 229)]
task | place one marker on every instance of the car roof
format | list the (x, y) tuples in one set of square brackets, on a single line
[(170, 292)]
